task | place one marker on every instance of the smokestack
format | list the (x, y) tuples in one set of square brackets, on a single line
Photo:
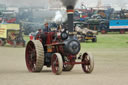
[(70, 14), (69, 4)]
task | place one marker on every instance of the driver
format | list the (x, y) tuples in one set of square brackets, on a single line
[(46, 29)]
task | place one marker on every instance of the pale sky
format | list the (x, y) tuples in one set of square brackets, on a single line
[(90, 3), (113, 3)]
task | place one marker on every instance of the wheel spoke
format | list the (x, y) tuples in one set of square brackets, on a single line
[(30, 47), (55, 63), (31, 56)]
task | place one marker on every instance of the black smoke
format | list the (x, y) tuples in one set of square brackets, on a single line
[(69, 2)]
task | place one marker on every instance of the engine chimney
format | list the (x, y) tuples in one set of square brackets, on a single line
[(70, 14)]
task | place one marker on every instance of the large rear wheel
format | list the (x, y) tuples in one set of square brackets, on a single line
[(34, 56), (88, 63), (57, 63)]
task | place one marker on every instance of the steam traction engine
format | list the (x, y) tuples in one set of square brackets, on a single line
[(57, 51)]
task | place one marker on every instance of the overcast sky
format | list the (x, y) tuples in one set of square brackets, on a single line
[(44, 3), (113, 3)]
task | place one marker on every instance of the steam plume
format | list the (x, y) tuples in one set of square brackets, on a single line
[(59, 17)]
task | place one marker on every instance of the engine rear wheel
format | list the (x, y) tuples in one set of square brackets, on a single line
[(68, 67), (34, 56), (57, 63), (88, 63)]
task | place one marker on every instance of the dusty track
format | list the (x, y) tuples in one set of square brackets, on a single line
[(111, 68)]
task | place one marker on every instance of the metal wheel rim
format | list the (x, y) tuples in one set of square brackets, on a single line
[(88, 64), (31, 57), (55, 65)]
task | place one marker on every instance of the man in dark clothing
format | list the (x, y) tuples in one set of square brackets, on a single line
[(46, 29)]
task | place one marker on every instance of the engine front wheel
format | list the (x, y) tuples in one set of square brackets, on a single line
[(34, 56), (57, 63), (88, 63)]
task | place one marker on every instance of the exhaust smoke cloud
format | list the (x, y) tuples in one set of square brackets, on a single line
[(69, 2), (59, 17)]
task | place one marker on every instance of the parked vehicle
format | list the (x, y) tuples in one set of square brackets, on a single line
[(85, 34), (116, 23), (11, 33)]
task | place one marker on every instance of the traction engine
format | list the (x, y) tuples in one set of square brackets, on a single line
[(57, 51)]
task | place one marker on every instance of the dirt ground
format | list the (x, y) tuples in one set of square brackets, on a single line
[(111, 68)]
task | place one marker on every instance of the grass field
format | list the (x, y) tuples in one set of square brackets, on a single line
[(104, 41), (108, 41)]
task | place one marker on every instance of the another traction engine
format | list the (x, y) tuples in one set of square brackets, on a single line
[(57, 51)]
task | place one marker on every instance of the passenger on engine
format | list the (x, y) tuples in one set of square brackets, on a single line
[(58, 33), (38, 34), (59, 29)]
